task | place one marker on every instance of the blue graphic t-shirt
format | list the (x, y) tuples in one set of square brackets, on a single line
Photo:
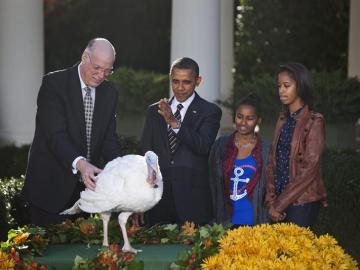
[(244, 170)]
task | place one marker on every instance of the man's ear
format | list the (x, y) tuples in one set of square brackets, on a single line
[(259, 121), (198, 80), (83, 57)]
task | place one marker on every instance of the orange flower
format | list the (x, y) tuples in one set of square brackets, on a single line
[(188, 229), (106, 259), (133, 229), (208, 243), (128, 257), (37, 238), (87, 228), (21, 239), (115, 248)]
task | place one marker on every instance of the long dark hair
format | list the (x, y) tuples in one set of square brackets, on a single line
[(301, 75)]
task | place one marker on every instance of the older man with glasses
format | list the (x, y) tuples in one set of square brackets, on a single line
[(75, 128)]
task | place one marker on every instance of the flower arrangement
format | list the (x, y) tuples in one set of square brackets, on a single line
[(19, 250), (24, 244), (279, 246)]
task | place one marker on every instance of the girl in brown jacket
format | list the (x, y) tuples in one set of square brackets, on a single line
[(294, 185)]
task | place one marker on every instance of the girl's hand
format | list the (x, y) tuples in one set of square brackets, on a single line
[(275, 215)]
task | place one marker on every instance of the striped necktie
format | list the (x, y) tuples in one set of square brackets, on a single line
[(88, 108), (171, 132)]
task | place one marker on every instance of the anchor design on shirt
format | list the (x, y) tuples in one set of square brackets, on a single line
[(238, 171)]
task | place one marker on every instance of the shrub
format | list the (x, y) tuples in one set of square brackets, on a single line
[(139, 89), (336, 96), (341, 218), (129, 145), (13, 211), (13, 160), (269, 33)]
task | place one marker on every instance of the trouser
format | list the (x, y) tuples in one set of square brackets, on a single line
[(165, 211), (41, 217), (303, 215)]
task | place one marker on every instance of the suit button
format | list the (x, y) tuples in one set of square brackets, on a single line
[(172, 162)]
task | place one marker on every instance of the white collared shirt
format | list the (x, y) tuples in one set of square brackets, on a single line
[(83, 86), (186, 105), (83, 91)]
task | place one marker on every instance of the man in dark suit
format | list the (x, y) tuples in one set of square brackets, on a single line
[(182, 137), (75, 128)]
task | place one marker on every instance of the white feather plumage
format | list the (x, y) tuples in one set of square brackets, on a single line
[(123, 186)]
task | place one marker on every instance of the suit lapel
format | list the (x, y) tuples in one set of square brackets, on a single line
[(99, 111), (77, 104), (193, 111)]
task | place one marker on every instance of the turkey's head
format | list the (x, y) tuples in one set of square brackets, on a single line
[(154, 174)]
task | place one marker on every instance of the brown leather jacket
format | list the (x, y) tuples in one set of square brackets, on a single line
[(305, 180)]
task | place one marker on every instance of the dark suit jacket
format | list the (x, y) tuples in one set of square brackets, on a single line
[(187, 169), (60, 138)]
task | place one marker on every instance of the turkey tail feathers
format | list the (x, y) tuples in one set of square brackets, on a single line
[(75, 209)]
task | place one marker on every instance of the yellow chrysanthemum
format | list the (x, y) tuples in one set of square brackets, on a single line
[(278, 246), (6, 262)]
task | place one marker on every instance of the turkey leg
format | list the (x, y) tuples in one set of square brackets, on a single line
[(123, 217)]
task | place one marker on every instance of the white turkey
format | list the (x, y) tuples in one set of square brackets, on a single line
[(130, 184)]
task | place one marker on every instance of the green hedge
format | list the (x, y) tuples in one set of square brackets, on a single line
[(13, 160), (139, 89), (340, 219), (335, 96)]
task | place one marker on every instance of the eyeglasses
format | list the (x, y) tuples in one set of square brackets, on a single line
[(106, 71)]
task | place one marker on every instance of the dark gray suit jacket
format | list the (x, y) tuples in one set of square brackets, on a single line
[(187, 169), (60, 138)]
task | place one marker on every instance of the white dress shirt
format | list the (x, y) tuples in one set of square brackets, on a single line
[(186, 105), (92, 93)]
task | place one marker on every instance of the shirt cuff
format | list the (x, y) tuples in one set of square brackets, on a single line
[(176, 130), (74, 170)]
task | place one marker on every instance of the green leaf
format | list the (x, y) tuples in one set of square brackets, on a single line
[(204, 232), (170, 227), (80, 263), (164, 240)]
